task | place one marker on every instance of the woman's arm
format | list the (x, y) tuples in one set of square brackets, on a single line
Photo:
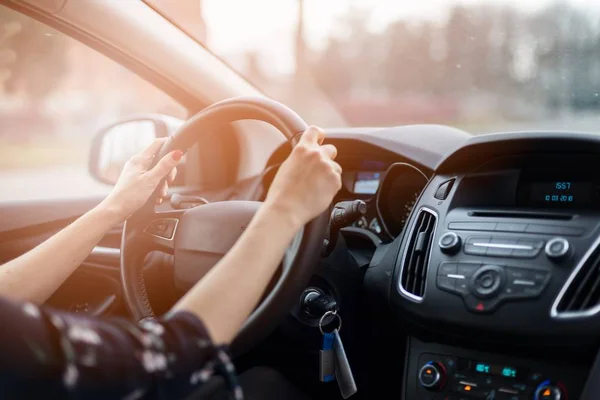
[(35, 275), (47, 354), (303, 188)]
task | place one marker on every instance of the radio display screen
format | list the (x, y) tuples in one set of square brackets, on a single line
[(553, 189), (557, 192)]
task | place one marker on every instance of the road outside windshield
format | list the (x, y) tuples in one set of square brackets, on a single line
[(482, 66)]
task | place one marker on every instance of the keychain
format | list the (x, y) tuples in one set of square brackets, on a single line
[(333, 363)]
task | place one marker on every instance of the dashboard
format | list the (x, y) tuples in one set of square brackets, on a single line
[(502, 244), (490, 256)]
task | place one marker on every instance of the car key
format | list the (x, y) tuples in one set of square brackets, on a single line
[(327, 358), (343, 372)]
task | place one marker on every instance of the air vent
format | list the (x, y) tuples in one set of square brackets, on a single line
[(416, 257), (581, 295)]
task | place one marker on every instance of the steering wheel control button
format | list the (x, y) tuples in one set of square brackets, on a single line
[(163, 228), (450, 243), (557, 248), (444, 189), (432, 376), (487, 281)]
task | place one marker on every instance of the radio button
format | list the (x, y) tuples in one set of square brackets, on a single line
[(446, 283), (524, 283), (467, 269), (509, 227), (498, 251), (487, 281), (475, 245), (447, 268), (472, 226), (475, 250)]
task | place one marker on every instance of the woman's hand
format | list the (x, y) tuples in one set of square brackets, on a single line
[(137, 181), (308, 180)]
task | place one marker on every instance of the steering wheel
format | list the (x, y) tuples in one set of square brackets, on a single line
[(200, 236)]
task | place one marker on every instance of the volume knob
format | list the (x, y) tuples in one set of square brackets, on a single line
[(449, 243)]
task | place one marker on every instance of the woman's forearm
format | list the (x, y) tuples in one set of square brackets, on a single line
[(37, 274), (225, 297)]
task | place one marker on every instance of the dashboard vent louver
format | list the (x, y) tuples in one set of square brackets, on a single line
[(416, 257), (583, 292)]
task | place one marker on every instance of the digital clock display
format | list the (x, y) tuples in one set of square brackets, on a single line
[(561, 193)]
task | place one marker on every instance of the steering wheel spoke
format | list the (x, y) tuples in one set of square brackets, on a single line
[(159, 233)]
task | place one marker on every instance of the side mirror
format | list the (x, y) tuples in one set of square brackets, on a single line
[(115, 144)]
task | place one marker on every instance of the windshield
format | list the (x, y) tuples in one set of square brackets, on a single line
[(481, 66)]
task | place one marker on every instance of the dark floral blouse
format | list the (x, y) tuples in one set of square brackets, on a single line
[(46, 354)]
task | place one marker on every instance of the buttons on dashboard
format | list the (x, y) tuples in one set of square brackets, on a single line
[(487, 281), (503, 247), (444, 189), (517, 228), (484, 287), (472, 226), (525, 282), (449, 243), (432, 375), (557, 248)]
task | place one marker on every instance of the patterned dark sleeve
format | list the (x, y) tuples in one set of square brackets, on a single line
[(50, 354)]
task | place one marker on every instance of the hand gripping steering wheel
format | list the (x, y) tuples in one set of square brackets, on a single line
[(200, 236)]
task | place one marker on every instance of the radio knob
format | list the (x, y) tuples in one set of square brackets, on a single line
[(548, 392), (557, 248), (432, 376), (449, 243)]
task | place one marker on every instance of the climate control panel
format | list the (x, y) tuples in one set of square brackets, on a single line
[(439, 372)]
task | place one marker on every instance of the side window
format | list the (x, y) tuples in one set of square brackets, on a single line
[(55, 94)]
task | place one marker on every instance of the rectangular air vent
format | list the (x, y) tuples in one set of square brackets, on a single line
[(581, 296), (416, 256)]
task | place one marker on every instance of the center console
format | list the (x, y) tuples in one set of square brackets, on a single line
[(507, 250)]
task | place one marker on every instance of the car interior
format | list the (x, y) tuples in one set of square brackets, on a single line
[(460, 266)]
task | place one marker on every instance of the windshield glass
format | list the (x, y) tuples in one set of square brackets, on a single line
[(480, 66)]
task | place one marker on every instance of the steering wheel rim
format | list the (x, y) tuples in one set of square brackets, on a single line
[(140, 235)]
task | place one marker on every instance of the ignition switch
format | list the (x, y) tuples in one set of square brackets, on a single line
[(316, 303)]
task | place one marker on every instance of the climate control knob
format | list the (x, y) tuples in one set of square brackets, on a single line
[(432, 376), (549, 392)]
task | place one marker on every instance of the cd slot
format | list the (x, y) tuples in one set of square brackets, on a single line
[(521, 214)]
